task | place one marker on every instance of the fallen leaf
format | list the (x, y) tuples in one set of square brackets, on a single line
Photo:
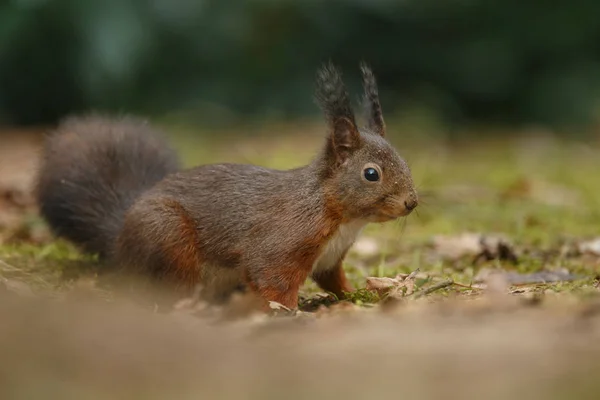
[(482, 247), (278, 306), (455, 247), (379, 284), (590, 247), (400, 286), (279, 309), (496, 247), (405, 288)]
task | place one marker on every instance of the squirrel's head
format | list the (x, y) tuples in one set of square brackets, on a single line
[(364, 175)]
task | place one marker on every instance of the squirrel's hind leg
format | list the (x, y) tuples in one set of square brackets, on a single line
[(159, 239)]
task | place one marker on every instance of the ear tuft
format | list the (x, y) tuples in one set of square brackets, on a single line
[(374, 113), (331, 94), (332, 97)]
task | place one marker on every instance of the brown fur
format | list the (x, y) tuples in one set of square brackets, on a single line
[(282, 284), (226, 226), (182, 249), (334, 280)]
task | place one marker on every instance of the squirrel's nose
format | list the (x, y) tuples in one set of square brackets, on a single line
[(410, 204)]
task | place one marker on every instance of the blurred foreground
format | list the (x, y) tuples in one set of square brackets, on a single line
[(492, 348)]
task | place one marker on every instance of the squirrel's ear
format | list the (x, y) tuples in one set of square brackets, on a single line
[(375, 121), (344, 139), (332, 97)]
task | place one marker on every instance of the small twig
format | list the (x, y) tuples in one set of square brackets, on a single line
[(437, 286), (413, 274), (462, 285), (8, 266)]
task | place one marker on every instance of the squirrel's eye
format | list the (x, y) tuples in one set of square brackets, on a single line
[(371, 174)]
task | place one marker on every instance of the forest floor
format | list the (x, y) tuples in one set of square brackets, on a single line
[(490, 289)]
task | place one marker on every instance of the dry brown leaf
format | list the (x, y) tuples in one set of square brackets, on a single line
[(278, 309), (378, 284), (400, 286), (486, 247), (405, 288), (455, 247), (278, 306), (590, 247)]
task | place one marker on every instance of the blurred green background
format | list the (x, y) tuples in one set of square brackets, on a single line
[(460, 61)]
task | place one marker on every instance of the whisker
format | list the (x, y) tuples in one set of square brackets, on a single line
[(418, 215), (403, 228), (397, 223), (430, 206)]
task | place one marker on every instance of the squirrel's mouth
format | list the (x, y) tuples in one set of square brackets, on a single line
[(400, 207), (390, 216), (395, 207)]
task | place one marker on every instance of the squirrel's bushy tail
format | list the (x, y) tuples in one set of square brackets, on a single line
[(92, 170)]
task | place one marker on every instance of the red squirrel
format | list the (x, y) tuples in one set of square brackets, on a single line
[(114, 187)]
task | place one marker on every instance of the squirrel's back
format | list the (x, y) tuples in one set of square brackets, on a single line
[(92, 170)]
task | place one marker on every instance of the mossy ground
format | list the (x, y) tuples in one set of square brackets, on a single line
[(541, 192)]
